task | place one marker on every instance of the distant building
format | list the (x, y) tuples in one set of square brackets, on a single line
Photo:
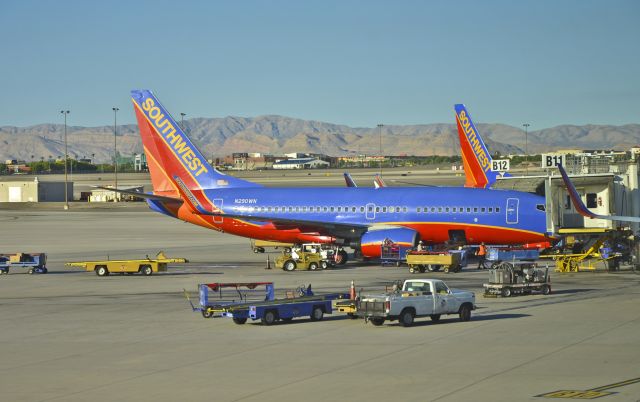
[(34, 191), (302, 163)]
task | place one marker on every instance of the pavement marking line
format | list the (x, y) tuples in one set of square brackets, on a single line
[(591, 393)]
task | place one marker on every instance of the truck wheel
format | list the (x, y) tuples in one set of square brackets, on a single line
[(324, 265), (239, 320), (102, 270), (269, 317), (506, 292), (313, 266), (377, 321), (289, 265), (421, 269), (435, 317), (317, 314), (465, 312), (406, 317), (546, 289), (45, 270), (146, 270), (206, 313), (30, 271)]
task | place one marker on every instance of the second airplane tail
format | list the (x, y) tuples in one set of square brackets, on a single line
[(475, 155), (171, 154)]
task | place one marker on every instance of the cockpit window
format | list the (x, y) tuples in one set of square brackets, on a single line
[(540, 207)]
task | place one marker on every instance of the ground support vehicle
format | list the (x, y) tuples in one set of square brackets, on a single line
[(497, 255), (306, 261), (416, 298), (145, 266), (421, 261), (35, 263), (393, 253), (508, 279), (302, 303), (217, 298)]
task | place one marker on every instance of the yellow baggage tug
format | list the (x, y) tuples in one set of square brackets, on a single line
[(145, 266)]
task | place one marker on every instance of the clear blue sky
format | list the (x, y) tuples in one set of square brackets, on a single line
[(358, 63)]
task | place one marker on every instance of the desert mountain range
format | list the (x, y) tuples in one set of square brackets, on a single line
[(279, 134)]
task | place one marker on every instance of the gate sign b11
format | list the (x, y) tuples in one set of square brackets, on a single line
[(500, 165), (550, 161)]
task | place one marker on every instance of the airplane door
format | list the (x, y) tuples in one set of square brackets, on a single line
[(371, 211), (512, 210), (217, 202)]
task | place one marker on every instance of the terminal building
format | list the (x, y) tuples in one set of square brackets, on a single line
[(34, 191)]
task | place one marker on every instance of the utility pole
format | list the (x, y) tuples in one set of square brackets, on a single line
[(526, 151), (380, 132), (115, 149), (182, 120), (66, 197)]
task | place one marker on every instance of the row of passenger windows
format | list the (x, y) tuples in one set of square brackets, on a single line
[(371, 209)]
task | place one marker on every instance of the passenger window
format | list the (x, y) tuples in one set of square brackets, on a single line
[(441, 288), (439, 209), (361, 209), (325, 209), (269, 209), (433, 209), (290, 209), (592, 200), (475, 209), (384, 209), (454, 209), (377, 209), (392, 209), (304, 209), (418, 209), (331, 209), (468, 210), (490, 209), (497, 209), (353, 209), (483, 209), (339, 209), (446, 209), (297, 209), (404, 209)]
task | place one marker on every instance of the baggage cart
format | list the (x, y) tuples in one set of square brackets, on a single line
[(35, 263), (421, 261), (509, 279)]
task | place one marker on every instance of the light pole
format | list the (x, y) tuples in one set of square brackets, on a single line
[(380, 132), (182, 120), (115, 149), (526, 151), (66, 197)]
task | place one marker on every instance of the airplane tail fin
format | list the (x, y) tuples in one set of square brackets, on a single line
[(171, 154), (475, 155)]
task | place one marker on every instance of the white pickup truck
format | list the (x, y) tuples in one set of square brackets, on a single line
[(417, 298)]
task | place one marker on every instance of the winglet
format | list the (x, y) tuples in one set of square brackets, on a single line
[(582, 209), (349, 180), (378, 182)]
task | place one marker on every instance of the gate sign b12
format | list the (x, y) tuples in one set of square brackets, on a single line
[(500, 165), (550, 161)]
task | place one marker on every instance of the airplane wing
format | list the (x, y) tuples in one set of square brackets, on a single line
[(582, 209), (147, 196), (347, 230)]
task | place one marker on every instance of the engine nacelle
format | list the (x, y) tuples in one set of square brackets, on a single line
[(371, 242)]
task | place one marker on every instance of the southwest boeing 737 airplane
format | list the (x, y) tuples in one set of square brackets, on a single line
[(186, 187)]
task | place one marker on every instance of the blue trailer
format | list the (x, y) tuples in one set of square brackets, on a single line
[(35, 263), (264, 307)]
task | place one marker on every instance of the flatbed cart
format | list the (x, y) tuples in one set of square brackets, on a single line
[(35, 263), (269, 310), (145, 266), (393, 254), (421, 261), (513, 278)]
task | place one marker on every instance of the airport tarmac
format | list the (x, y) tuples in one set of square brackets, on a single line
[(72, 336)]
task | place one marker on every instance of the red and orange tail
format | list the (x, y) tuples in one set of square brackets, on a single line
[(170, 153), (475, 156)]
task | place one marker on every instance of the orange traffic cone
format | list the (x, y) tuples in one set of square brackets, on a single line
[(352, 291)]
